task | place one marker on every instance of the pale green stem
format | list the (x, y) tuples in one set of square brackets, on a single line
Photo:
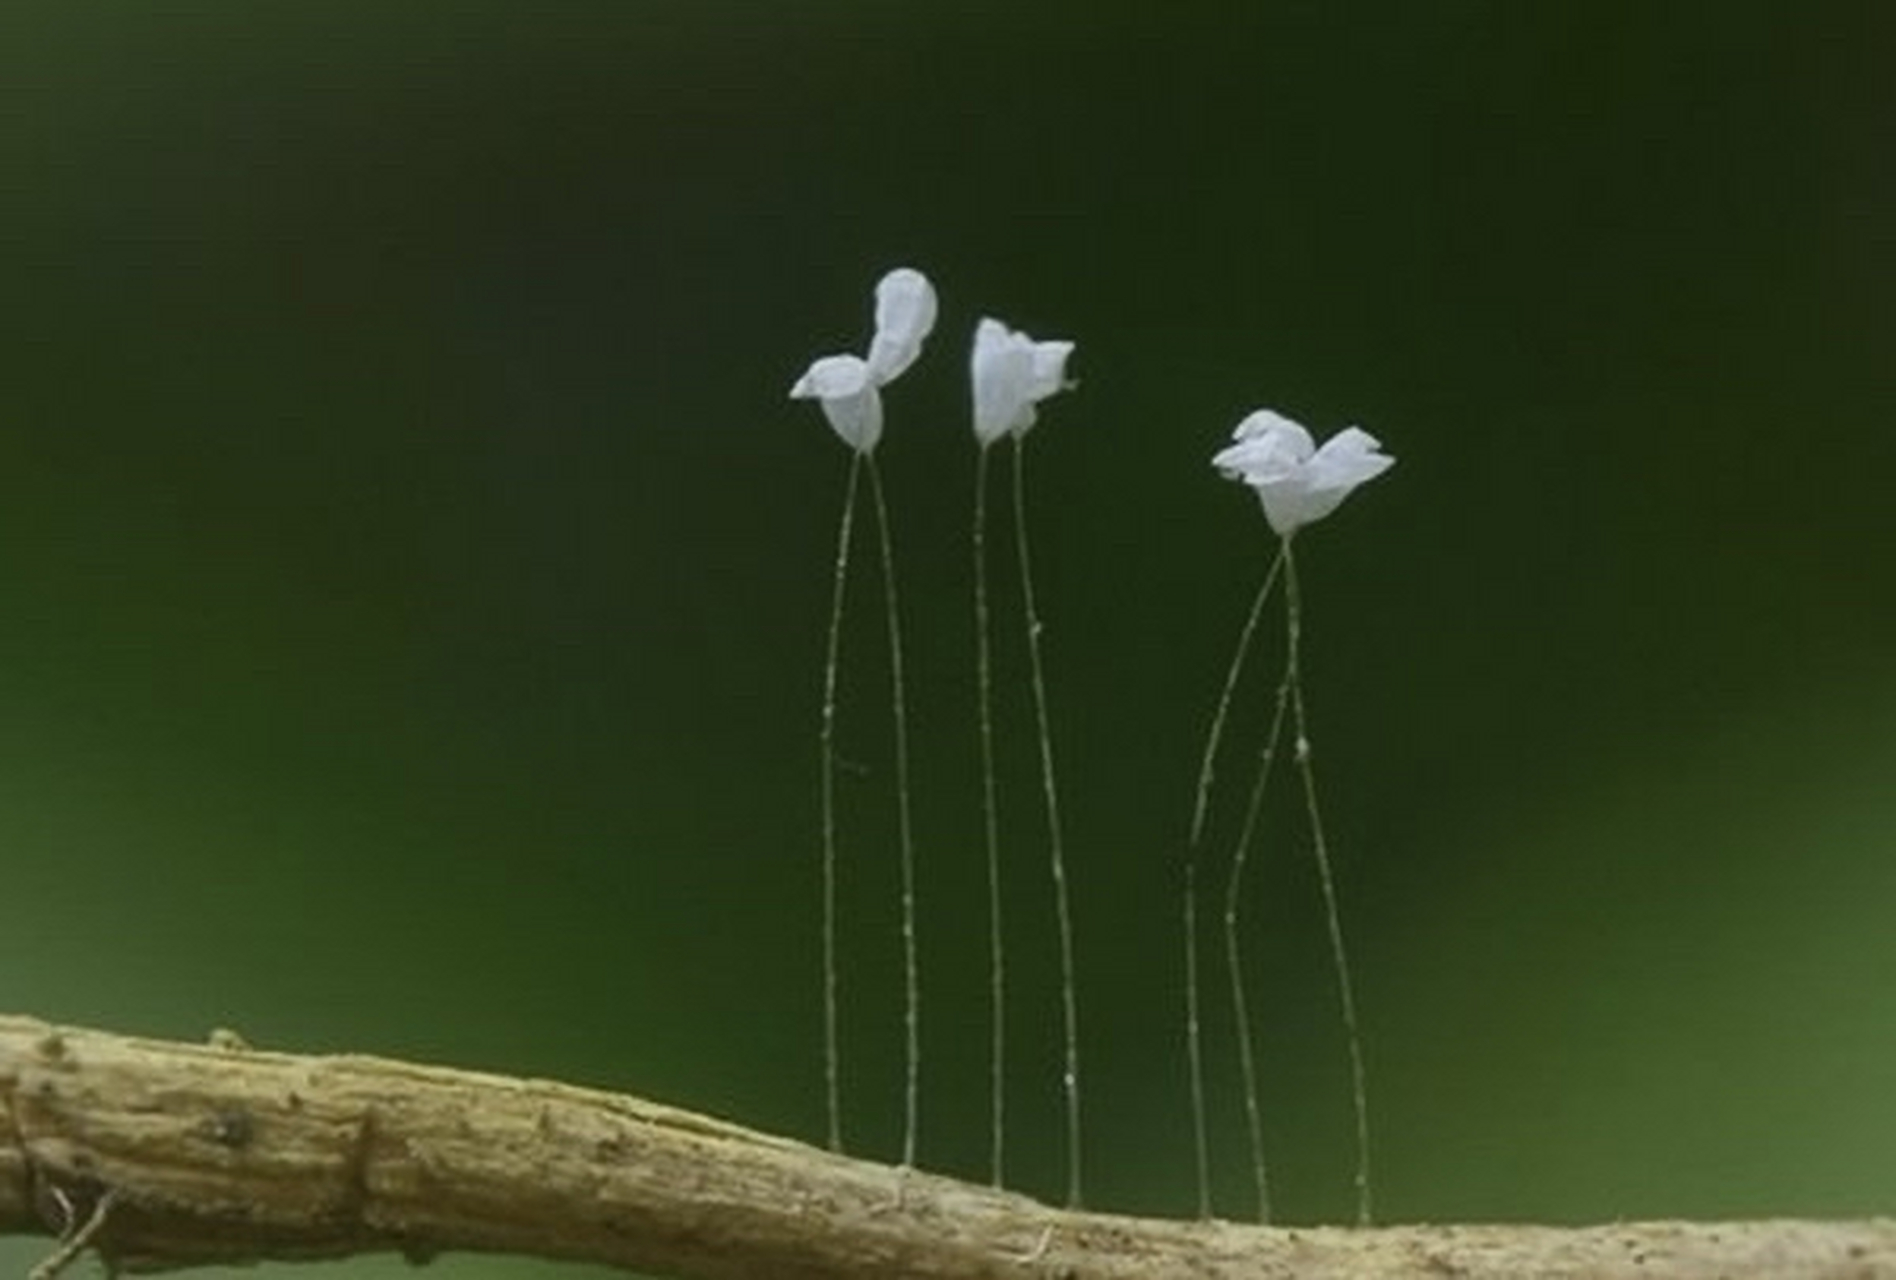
[(1194, 1036), (831, 1067), (1247, 1064), (1194, 1040), (990, 820), (1345, 990), (905, 825), (1055, 843)]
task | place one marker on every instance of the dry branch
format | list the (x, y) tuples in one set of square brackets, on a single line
[(216, 1153)]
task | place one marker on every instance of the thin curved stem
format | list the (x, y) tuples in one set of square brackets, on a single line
[(1345, 989), (1055, 842), (1207, 766), (1240, 1009), (827, 791), (1194, 1035), (1194, 1041), (905, 825), (990, 822)]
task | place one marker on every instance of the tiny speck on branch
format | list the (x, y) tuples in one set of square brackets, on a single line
[(132, 1142)]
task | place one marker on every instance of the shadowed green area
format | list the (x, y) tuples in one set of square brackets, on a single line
[(416, 572)]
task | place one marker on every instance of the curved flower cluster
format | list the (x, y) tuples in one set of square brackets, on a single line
[(1296, 481)]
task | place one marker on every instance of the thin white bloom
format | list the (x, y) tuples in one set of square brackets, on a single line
[(849, 389), (905, 315), (847, 386), (1297, 482), (1012, 373), (850, 400)]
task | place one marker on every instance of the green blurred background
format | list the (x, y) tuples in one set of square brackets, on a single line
[(416, 575)]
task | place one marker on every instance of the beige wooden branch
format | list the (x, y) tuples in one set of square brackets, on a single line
[(178, 1155)]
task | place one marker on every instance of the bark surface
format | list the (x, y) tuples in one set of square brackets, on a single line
[(217, 1153)]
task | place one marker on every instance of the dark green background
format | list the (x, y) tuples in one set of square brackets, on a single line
[(415, 574)]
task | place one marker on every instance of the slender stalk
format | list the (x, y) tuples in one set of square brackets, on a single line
[(990, 820), (1207, 766), (1194, 1040), (904, 823), (1055, 842), (1194, 1036), (1345, 990), (1240, 1009), (827, 788)]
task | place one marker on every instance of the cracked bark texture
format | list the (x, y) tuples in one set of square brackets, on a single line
[(217, 1153)]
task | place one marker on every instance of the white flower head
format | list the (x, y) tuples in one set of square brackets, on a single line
[(848, 386), (1296, 481), (1012, 373)]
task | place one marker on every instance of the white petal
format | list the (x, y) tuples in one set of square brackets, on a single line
[(831, 376), (1269, 447), (857, 419), (1283, 507), (849, 398), (905, 314), (1270, 424), (1347, 459), (1050, 360), (1002, 369), (1011, 374)]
